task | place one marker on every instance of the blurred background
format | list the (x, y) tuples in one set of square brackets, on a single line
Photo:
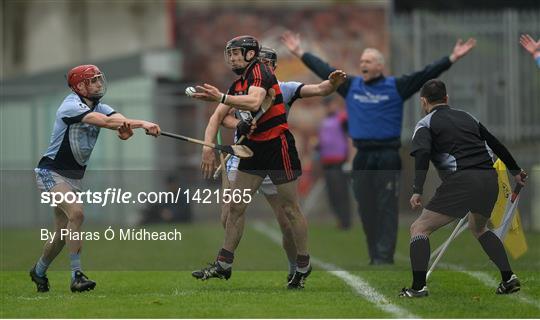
[(151, 51)]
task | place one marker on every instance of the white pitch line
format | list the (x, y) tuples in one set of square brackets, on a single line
[(486, 279), (491, 282), (359, 285)]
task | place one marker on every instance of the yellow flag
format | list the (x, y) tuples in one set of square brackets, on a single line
[(514, 241)]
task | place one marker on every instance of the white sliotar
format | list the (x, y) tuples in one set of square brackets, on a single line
[(190, 91)]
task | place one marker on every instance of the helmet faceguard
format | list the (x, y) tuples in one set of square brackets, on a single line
[(93, 79), (268, 56), (245, 44)]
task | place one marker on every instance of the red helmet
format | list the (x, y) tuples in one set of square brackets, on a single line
[(86, 72)]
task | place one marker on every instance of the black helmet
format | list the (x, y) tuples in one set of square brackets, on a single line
[(246, 43), (269, 54)]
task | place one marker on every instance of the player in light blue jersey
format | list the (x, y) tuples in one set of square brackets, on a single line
[(60, 170), (533, 47), (291, 91)]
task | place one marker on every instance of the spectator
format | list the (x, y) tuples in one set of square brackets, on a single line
[(334, 151)]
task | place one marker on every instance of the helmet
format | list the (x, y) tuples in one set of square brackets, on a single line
[(245, 43), (87, 73), (268, 54)]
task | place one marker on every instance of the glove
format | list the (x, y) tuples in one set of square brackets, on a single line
[(243, 128)]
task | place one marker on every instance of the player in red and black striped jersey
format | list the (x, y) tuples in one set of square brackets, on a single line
[(274, 150)]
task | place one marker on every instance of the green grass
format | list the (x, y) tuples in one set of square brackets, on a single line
[(152, 279)]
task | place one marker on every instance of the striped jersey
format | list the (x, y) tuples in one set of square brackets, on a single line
[(274, 122)]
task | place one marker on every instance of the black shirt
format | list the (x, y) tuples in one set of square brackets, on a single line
[(454, 140)]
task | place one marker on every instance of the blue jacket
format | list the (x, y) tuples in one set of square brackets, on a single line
[(375, 108)]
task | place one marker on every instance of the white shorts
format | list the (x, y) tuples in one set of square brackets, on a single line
[(47, 179), (267, 187)]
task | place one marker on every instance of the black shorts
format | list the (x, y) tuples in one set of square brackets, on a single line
[(276, 158), (467, 190)]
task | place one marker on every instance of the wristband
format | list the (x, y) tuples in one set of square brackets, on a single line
[(223, 97)]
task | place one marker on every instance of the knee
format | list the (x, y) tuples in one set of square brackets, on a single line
[(418, 228), (282, 220), (76, 216), (477, 231), (290, 210), (235, 212)]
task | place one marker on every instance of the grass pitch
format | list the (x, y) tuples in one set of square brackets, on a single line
[(152, 279)]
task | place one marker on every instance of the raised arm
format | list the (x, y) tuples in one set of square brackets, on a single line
[(407, 85), (314, 63), (533, 47), (326, 87)]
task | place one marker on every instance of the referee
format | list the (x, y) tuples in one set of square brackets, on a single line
[(460, 147)]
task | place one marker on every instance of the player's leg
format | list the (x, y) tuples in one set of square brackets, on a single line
[(75, 215), (49, 181), (51, 249), (235, 222), (420, 230), (485, 199), (285, 169), (494, 248), (288, 195), (234, 227), (286, 229)]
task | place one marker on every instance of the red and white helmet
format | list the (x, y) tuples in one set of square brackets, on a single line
[(87, 73)]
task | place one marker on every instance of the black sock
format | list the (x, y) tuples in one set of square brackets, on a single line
[(225, 258), (494, 248), (420, 252)]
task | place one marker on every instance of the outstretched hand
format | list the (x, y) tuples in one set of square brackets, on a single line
[(207, 92), (124, 131), (337, 78), (529, 44), (292, 42), (151, 129), (462, 48)]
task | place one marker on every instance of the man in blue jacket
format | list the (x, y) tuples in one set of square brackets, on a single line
[(375, 112)]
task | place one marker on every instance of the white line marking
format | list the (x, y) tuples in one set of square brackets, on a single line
[(491, 282), (486, 279), (359, 285)]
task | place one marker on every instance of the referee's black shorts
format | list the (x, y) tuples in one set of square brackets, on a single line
[(276, 158), (467, 190)]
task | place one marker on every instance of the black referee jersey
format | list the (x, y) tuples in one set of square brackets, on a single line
[(454, 140)]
